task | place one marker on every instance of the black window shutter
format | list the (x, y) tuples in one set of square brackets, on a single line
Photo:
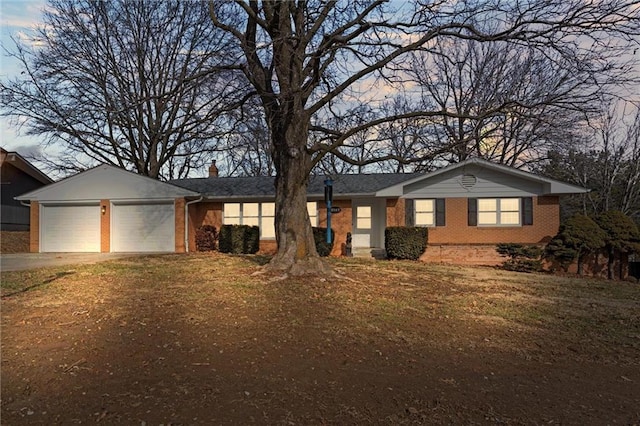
[(440, 212), (409, 212), (527, 211), (473, 212)]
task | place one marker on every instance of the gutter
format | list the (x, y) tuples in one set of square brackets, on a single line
[(186, 222)]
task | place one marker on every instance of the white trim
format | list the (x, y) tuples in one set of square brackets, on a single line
[(550, 186)]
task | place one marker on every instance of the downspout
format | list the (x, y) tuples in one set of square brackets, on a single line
[(23, 203), (186, 222)]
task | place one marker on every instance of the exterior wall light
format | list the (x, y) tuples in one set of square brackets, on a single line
[(104, 210)]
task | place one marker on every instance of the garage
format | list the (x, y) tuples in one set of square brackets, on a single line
[(143, 227), (107, 209), (70, 228)]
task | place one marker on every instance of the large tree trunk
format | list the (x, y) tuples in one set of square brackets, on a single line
[(297, 253)]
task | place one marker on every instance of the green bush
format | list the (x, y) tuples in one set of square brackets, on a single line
[(239, 239), (206, 238), (320, 237), (621, 236), (402, 242), (578, 236), (521, 258)]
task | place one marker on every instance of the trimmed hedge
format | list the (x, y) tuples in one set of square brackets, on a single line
[(320, 238), (206, 238), (239, 239), (403, 242)]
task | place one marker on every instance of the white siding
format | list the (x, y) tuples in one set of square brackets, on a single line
[(143, 227), (107, 183), (489, 183), (70, 228)]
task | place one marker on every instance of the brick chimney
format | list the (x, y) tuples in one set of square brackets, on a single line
[(213, 170)]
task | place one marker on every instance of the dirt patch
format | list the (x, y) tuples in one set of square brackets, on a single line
[(198, 339), (14, 241)]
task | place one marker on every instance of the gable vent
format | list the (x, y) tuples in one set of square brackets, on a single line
[(468, 181)]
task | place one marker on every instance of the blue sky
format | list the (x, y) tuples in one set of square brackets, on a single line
[(16, 17)]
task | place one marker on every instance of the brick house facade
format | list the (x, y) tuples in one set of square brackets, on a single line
[(468, 207)]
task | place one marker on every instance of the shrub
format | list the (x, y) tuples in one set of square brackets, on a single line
[(621, 236), (403, 242), (320, 237), (578, 236), (239, 239), (521, 258), (206, 238)]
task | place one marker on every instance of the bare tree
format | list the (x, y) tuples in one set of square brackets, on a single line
[(312, 60), (607, 162), (139, 84), (512, 103)]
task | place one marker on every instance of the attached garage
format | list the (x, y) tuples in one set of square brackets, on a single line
[(70, 227), (107, 209), (141, 227)]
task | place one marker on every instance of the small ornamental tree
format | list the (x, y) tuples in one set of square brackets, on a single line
[(521, 258), (621, 236), (578, 237)]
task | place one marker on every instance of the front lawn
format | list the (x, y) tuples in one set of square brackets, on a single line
[(201, 339)]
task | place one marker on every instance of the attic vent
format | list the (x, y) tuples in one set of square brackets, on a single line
[(468, 181)]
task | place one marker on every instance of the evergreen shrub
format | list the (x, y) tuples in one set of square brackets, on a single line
[(320, 237), (521, 258), (405, 242), (239, 239)]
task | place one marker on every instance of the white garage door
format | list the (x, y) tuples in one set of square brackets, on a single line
[(143, 227), (70, 228)]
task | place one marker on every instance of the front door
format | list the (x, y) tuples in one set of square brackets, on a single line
[(368, 223)]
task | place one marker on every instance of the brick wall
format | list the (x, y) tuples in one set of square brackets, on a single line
[(476, 254), (340, 223), (546, 220), (105, 226), (396, 212), (179, 224), (203, 214), (34, 231)]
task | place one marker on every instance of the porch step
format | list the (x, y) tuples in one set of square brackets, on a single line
[(369, 253)]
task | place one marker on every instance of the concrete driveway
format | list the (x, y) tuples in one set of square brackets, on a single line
[(23, 261)]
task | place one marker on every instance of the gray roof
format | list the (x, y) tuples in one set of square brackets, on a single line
[(263, 186)]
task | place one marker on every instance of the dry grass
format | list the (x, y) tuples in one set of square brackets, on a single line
[(382, 297), (391, 342)]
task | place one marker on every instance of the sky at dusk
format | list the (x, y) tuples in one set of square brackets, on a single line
[(16, 17)]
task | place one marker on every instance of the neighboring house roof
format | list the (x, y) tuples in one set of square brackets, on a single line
[(356, 185), (19, 162), (107, 182)]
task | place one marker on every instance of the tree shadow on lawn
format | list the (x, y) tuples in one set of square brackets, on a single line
[(308, 351)]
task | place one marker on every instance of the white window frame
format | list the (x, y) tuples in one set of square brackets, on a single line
[(312, 209), (500, 212), (425, 210), (241, 219)]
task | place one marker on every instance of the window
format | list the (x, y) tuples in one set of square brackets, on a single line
[(498, 211), (424, 212), (252, 214), (262, 215), (363, 217), (312, 209)]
